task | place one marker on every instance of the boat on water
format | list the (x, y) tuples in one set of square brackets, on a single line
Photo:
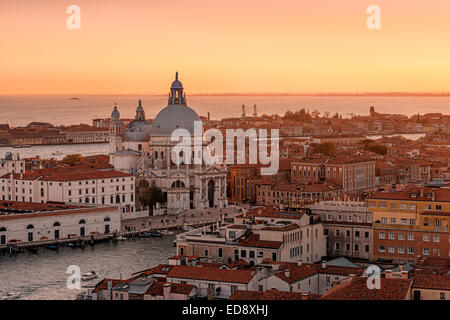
[(52, 247), (167, 232), (156, 234), (72, 245), (57, 153), (10, 296), (89, 276), (121, 238), (145, 234)]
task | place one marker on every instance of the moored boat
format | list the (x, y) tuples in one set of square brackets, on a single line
[(145, 234), (89, 276), (10, 296)]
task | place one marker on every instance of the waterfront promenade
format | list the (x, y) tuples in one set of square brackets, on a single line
[(133, 227)]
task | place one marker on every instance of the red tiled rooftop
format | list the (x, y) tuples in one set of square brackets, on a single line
[(431, 281), (356, 289), (211, 274), (254, 241)]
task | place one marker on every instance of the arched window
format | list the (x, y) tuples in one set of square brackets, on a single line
[(143, 183), (82, 221), (56, 224), (178, 184), (30, 226), (107, 219), (2, 229)]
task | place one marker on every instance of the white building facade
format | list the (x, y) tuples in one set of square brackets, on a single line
[(35, 223), (145, 150)]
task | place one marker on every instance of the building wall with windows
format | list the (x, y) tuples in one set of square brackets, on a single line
[(411, 223), (348, 228), (28, 222), (86, 187)]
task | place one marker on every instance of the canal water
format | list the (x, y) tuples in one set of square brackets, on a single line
[(43, 276), (57, 151)]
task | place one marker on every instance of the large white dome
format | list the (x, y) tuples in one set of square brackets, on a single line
[(172, 117)]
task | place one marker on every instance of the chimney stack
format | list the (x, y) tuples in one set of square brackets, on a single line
[(299, 262), (255, 114), (388, 274), (287, 273), (404, 274), (166, 290), (324, 264), (110, 289), (243, 110)]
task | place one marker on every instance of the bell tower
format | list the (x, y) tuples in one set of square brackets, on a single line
[(115, 132)]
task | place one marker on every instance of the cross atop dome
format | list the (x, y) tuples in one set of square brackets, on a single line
[(176, 95)]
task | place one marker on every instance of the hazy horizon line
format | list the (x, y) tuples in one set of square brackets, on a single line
[(275, 94)]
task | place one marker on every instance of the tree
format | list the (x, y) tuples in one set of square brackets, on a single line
[(327, 148), (149, 195), (301, 115), (72, 159), (380, 149)]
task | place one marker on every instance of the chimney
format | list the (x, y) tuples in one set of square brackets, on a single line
[(404, 274), (243, 110), (110, 289), (287, 273), (433, 195), (388, 274), (166, 290), (255, 114), (305, 296), (299, 262), (194, 263), (209, 116), (324, 264)]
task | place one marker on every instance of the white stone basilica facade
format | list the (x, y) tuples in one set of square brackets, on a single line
[(144, 149)]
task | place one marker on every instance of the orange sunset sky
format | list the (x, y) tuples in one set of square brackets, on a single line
[(232, 46)]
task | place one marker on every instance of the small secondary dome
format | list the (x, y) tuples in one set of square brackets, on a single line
[(139, 128), (115, 114)]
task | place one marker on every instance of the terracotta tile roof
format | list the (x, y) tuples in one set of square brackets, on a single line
[(56, 212), (287, 227), (431, 281), (157, 288), (356, 289), (441, 194), (254, 241), (67, 175), (296, 273), (237, 226), (211, 274), (272, 294)]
